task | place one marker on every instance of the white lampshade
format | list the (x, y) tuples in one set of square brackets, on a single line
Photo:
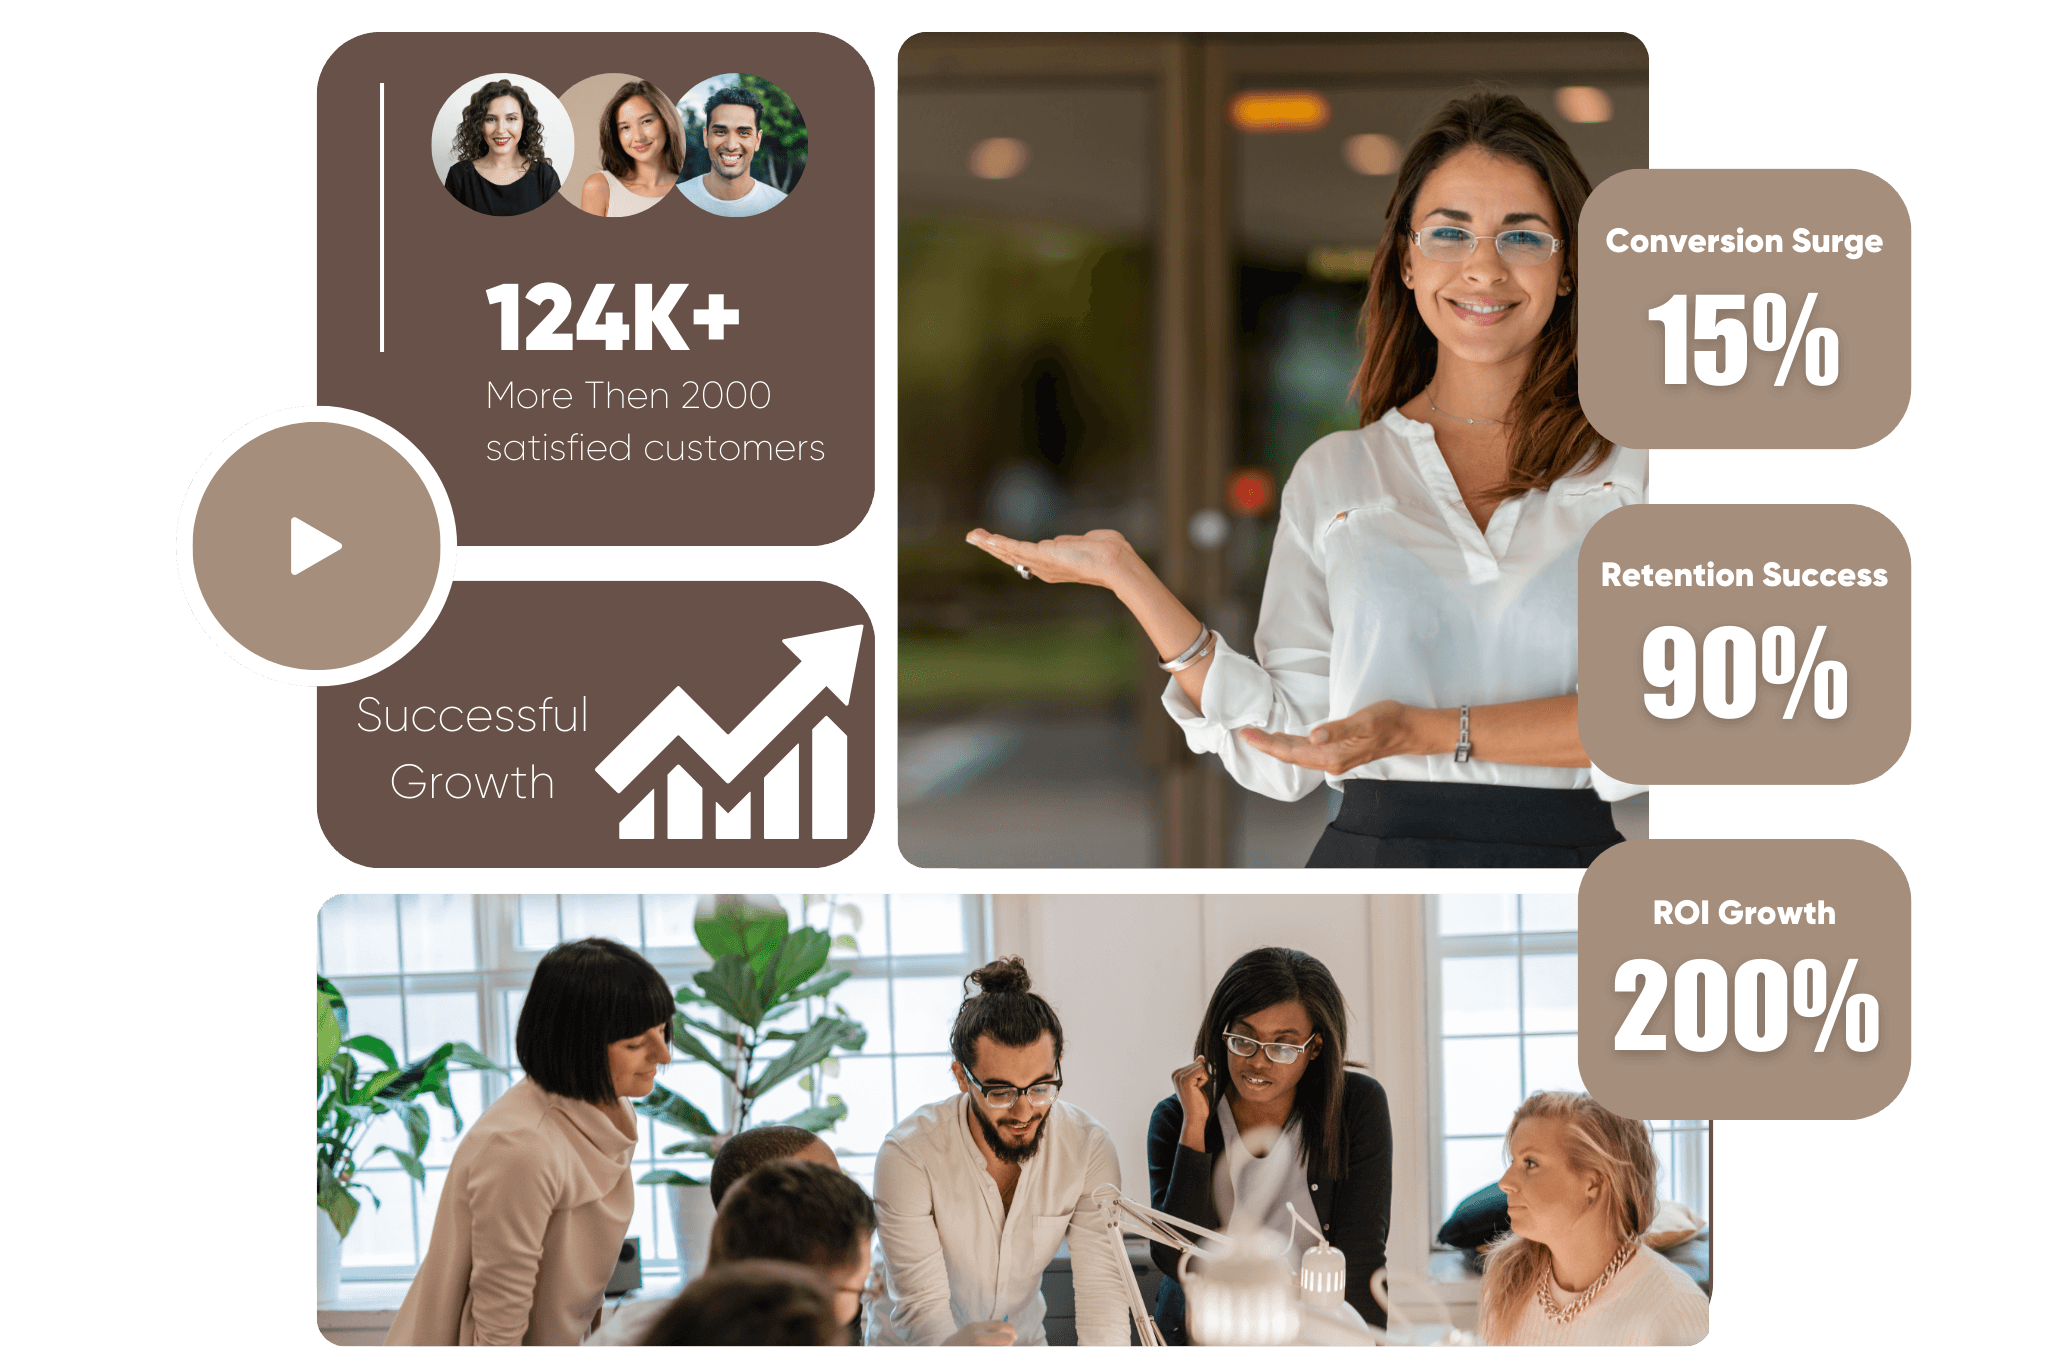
[(1246, 1298), (1322, 1277)]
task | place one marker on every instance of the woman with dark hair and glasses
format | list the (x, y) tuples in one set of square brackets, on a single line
[(1418, 643), (501, 167), (540, 1192), (1268, 1088)]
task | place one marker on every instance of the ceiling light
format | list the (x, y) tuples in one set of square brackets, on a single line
[(998, 158), (1279, 111), (1372, 154), (1584, 104)]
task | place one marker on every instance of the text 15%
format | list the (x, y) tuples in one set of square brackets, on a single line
[(1823, 349)]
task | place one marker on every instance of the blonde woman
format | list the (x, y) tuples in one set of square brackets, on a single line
[(1582, 1190)]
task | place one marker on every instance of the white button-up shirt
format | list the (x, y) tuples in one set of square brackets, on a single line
[(1382, 586), (955, 1256)]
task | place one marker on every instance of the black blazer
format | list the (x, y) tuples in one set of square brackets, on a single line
[(1353, 1211)]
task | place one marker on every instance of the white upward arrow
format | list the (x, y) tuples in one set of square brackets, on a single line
[(310, 545), (825, 661)]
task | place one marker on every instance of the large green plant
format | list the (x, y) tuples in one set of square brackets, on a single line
[(764, 972), (361, 1081)]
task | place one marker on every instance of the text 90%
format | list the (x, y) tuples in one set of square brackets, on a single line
[(1701, 993), (1767, 333), (1724, 672)]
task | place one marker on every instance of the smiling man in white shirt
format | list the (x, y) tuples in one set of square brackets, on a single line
[(732, 135), (975, 1193)]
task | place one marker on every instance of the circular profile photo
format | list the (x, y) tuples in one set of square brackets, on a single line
[(499, 143), (629, 154), (747, 145)]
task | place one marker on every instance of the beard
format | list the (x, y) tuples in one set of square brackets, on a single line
[(1016, 1154)]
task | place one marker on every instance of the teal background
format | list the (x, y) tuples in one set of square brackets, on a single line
[(160, 799)]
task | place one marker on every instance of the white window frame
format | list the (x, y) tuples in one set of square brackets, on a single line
[(503, 965)]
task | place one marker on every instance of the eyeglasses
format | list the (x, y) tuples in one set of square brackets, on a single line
[(1281, 1054), (1005, 1096), (1523, 246)]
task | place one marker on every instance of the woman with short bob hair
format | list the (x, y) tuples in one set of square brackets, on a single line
[(540, 1192), (1417, 647), (501, 167), (640, 143), (1582, 1192), (1268, 1084)]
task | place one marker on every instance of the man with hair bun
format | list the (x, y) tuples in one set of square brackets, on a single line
[(975, 1193)]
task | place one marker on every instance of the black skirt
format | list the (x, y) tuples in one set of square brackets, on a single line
[(1464, 824)]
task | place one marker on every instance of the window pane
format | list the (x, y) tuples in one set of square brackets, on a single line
[(1475, 915), (671, 921), (359, 935), (613, 917), (644, 1199), (378, 1016), (1550, 992), (1482, 1084), (381, 1236), (703, 1087), (1479, 995), (440, 933), (1553, 1063), (466, 1088), (926, 924), (923, 1080), (864, 1083), (512, 1001), (1549, 914), (1470, 1165), (537, 926), (925, 1006), (862, 917), (867, 999), (436, 1017)]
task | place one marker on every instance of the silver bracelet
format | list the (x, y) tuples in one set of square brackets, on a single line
[(1194, 653), (1464, 751)]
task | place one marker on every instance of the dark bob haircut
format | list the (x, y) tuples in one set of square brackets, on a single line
[(793, 1211), (1006, 1010), (1265, 977), (614, 155), (744, 1152), (752, 1303), (469, 134), (585, 996), (732, 94)]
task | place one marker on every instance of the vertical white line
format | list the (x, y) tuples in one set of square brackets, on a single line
[(380, 217)]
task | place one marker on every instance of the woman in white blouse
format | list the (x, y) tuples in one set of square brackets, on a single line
[(1418, 642), (1582, 1190), (540, 1192)]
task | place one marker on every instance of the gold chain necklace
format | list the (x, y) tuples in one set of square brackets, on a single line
[(1460, 417), (1561, 1316)]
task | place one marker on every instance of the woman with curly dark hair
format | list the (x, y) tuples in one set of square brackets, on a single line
[(500, 165), (640, 139)]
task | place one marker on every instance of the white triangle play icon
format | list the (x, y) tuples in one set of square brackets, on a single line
[(309, 546)]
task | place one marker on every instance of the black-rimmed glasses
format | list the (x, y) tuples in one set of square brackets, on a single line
[(1040, 1093), (1280, 1054), (1521, 246)]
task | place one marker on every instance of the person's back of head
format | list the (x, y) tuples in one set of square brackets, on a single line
[(752, 1303), (794, 1211), (756, 1147)]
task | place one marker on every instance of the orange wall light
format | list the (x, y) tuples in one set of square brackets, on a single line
[(1279, 111)]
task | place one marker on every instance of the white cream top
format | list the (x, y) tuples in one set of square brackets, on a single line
[(1649, 1302), (1241, 1174), (955, 1255), (1381, 586)]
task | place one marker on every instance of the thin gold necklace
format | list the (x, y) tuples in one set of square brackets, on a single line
[(1561, 1316), (1471, 421)]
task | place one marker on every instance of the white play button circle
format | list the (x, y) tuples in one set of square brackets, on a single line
[(310, 545)]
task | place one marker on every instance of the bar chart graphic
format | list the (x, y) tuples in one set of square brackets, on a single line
[(826, 662)]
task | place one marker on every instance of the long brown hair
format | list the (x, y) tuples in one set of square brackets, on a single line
[(1265, 977), (615, 159), (1599, 1142), (469, 134), (1548, 434)]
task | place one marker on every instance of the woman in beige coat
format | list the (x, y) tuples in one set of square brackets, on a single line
[(540, 1193)]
